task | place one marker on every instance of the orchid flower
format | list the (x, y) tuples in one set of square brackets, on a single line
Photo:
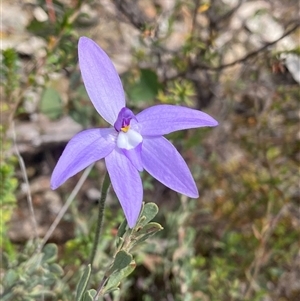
[(133, 142)]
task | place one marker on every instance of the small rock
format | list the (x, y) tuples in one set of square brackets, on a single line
[(34, 135), (292, 63), (32, 46), (40, 14)]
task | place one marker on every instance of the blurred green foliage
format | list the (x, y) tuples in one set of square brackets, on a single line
[(122, 263), (241, 238), (51, 104), (31, 276), (8, 182), (9, 71), (8, 185)]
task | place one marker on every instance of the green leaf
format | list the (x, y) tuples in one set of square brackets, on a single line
[(5, 260), (89, 295), (145, 88), (116, 277), (147, 231), (10, 278), (33, 263), (56, 269), (110, 289), (119, 242), (149, 211), (83, 283), (50, 253), (122, 260), (122, 228), (42, 29), (81, 109), (8, 297), (51, 104), (42, 293)]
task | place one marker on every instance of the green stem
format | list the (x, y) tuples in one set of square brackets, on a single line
[(105, 186)]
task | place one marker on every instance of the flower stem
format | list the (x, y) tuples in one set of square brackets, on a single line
[(105, 186)]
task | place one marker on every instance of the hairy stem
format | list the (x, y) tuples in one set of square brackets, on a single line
[(105, 186)]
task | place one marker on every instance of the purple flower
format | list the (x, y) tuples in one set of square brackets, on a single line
[(133, 142)]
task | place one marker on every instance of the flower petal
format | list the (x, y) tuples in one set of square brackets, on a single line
[(161, 159), (134, 156), (123, 120), (101, 80), (127, 185), (82, 150), (129, 140), (164, 119)]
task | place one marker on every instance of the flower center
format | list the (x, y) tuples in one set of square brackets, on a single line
[(123, 121), (125, 128), (127, 138)]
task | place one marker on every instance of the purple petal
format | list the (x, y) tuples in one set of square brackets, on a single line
[(127, 185), (101, 80), (164, 119), (134, 156), (82, 150), (123, 120), (161, 159)]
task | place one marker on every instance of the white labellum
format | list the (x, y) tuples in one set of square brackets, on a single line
[(129, 140)]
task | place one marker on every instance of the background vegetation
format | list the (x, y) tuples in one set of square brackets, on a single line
[(237, 60)]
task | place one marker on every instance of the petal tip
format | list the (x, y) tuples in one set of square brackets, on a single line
[(211, 121), (132, 216), (192, 194), (215, 122), (83, 40), (131, 223), (53, 185)]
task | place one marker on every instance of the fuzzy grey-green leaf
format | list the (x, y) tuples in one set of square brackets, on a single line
[(122, 228), (56, 269), (10, 278), (83, 283), (89, 295), (50, 253), (149, 212), (122, 260), (116, 277), (33, 263), (147, 231)]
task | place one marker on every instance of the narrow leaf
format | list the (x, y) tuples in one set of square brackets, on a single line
[(83, 283), (147, 231), (89, 295), (122, 228)]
